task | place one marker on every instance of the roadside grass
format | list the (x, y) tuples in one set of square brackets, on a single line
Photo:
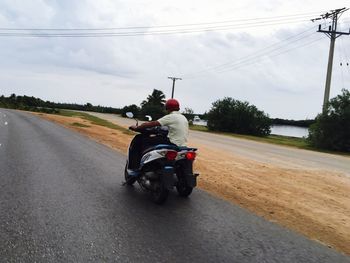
[(300, 143), (94, 120), (80, 125), (294, 142)]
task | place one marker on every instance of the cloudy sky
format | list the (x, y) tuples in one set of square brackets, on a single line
[(265, 52)]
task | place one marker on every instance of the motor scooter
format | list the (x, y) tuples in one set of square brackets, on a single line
[(159, 166)]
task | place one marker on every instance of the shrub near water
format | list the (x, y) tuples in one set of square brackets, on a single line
[(332, 128), (230, 115)]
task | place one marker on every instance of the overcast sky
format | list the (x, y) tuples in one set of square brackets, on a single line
[(283, 69)]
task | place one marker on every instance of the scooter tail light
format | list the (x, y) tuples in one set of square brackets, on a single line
[(171, 155), (190, 156)]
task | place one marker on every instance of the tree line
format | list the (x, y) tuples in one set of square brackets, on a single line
[(36, 104), (298, 123), (330, 130)]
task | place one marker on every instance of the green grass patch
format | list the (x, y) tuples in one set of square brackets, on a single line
[(295, 142), (80, 125), (275, 139), (94, 120), (199, 128)]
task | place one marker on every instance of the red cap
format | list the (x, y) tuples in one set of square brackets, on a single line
[(172, 105)]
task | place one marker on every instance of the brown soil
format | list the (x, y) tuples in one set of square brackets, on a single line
[(314, 203)]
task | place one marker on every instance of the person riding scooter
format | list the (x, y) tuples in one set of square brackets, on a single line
[(174, 120), (158, 158), (177, 131)]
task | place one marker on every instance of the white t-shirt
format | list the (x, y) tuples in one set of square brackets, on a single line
[(178, 127)]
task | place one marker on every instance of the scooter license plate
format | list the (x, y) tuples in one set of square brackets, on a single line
[(168, 177)]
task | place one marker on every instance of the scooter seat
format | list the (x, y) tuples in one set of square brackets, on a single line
[(161, 146), (185, 148)]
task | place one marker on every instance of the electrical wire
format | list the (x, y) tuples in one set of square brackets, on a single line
[(274, 18), (262, 52), (171, 29), (275, 55), (141, 33), (246, 60)]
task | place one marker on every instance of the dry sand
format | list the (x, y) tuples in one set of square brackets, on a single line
[(313, 203)]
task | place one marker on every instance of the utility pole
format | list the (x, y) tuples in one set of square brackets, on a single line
[(333, 34), (174, 79)]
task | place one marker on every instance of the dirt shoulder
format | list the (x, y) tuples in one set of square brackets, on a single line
[(314, 203)]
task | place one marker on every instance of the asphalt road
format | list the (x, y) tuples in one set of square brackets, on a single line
[(61, 200), (286, 157)]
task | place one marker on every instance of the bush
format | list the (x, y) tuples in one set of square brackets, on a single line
[(231, 115), (332, 128), (154, 111), (131, 108)]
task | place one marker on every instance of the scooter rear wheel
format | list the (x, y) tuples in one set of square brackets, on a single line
[(183, 189), (160, 195)]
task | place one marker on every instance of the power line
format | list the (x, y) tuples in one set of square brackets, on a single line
[(273, 18), (257, 54), (9, 32), (174, 79), (333, 34), (142, 33), (275, 55)]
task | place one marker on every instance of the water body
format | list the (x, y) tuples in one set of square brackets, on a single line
[(200, 122), (287, 130)]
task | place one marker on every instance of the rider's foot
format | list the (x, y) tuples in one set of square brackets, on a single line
[(133, 173)]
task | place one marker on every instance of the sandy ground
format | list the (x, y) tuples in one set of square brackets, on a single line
[(313, 203)]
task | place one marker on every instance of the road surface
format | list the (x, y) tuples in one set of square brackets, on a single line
[(286, 157), (61, 200)]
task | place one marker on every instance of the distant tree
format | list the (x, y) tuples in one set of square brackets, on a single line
[(12, 99), (204, 116), (131, 108), (153, 105), (36, 104), (157, 98), (230, 115), (88, 107), (300, 123), (189, 113), (332, 128)]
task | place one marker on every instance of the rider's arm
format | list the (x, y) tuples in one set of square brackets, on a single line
[(148, 124)]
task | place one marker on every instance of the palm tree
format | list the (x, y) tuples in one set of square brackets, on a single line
[(154, 105), (157, 98)]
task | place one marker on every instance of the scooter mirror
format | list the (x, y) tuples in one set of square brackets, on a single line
[(149, 118), (129, 115)]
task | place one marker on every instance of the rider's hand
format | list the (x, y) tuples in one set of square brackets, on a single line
[(133, 128)]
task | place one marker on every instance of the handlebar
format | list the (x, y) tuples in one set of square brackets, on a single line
[(157, 130)]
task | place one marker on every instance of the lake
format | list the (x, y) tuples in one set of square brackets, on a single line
[(287, 130)]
